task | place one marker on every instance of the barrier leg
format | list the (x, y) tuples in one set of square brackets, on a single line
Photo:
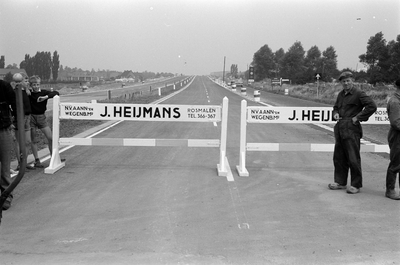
[(55, 161), (241, 168), (222, 166)]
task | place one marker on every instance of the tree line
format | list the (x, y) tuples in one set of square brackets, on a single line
[(382, 60), (110, 75), (49, 68), (42, 64)]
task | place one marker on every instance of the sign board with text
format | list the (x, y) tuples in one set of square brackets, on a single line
[(276, 81), (140, 112), (289, 115)]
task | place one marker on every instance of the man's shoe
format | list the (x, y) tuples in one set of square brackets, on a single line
[(38, 164), (6, 205), (391, 194), (30, 167), (353, 190), (336, 186), (27, 167)]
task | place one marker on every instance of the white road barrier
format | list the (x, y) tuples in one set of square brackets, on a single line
[(295, 115), (139, 112)]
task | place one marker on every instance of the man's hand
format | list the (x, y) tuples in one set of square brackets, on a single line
[(336, 116), (355, 120), (14, 84)]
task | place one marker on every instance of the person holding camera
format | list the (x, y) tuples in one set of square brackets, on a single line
[(26, 92), (7, 102)]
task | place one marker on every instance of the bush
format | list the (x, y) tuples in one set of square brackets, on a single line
[(327, 92)]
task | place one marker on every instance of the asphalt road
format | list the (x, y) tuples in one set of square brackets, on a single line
[(166, 205)]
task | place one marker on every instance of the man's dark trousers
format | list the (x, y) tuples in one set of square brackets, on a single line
[(394, 165), (347, 153)]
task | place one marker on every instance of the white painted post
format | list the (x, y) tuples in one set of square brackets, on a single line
[(55, 161), (257, 95), (222, 166), (173, 87), (241, 168), (159, 91)]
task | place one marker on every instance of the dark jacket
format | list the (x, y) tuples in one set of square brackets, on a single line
[(40, 107), (7, 101), (355, 104)]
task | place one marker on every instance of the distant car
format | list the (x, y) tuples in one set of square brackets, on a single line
[(233, 84), (239, 84)]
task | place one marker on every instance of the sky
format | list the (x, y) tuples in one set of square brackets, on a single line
[(191, 37)]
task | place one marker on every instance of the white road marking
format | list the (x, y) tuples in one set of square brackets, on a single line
[(72, 240), (229, 176), (239, 211)]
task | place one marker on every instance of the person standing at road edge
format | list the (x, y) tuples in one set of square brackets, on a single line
[(393, 111), (352, 107), (38, 100)]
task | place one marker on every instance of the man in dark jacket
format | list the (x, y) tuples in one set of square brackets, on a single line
[(7, 101), (393, 110), (352, 107)]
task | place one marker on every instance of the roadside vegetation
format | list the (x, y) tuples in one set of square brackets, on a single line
[(380, 64)]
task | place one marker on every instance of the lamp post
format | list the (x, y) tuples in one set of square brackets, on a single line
[(223, 72)]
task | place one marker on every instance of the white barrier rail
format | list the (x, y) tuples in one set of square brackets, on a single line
[(139, 112), (295, 115)]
